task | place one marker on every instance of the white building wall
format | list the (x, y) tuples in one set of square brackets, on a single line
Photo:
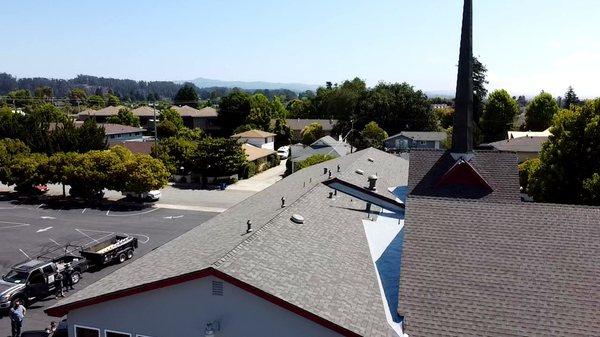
[(265, 143), (185, 309)]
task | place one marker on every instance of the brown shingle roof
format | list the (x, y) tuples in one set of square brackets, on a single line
[(521, 144), (104, 112), (253, 134), (113, 129), (498, 269), (498, 169), (136, 147), (254, 152), (144, 111), (187, 111)]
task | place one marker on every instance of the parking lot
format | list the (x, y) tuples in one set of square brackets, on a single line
[(27, 230)]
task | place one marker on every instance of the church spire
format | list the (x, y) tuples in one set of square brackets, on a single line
[(462, 133)]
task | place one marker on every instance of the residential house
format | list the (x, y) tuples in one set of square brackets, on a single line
[(527, 147), (101, 115), (262, 267), (325, 145), (258, 138), (296, 126), (144, 147), (116, 133), (407, 140), (262, 158), (146, 114), (205, 118), (440, 106)]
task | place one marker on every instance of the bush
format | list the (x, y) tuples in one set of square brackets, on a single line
[(526, 171), (313, 160), (250, 170)]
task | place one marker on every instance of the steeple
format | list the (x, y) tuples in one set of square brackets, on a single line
[(462, 133)]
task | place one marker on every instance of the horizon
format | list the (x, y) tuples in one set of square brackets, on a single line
[(309, 43)]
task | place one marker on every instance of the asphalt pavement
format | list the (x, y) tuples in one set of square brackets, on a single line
[(28, 230)]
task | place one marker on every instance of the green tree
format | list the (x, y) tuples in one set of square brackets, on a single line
[(112, 100), (313, 160), (526, 171), (311, 133), (373, 136), (299, 108), (144, 173), (569, 163), (282, 132), (166, 129), (77, 96), (186, 96), (219, 157), (25, 170), (498, 116), (125, 117), (43, 92), (260, 112), (234, 109), (19, 98), (57, 168), (176, 152), (9, 149), (445, 117), (479, 90), (96, 102), (90, 136), (570, 98), (540, 111), (172, 116)]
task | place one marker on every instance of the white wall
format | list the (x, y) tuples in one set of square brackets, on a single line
[(265, 143), (184, 310)]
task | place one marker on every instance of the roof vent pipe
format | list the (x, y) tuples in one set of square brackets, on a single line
[(338, 168), (324, 170), (249, 226), (359, 171), (297, 218), (282, 202), (372, 182), (329, 174)]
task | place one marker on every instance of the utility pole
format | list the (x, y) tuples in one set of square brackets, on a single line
[(155, 132)]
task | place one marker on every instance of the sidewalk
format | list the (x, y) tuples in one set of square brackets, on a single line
[(260, 181)]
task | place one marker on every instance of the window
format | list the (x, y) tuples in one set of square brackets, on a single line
[(423, 142), (48, 270), (36, 277), (83, 331), (110, 333)]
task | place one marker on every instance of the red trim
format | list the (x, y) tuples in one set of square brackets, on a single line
[(463, 173), (64, 309)]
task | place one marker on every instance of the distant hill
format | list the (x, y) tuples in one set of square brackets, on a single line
[(257, 85)]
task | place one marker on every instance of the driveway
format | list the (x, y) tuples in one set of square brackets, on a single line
[(260, 181)]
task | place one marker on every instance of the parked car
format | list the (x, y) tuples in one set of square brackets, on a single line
[(34, 189), (283, 152), (147, 196), (81, 192)]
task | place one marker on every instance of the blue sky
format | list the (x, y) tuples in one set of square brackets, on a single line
[(527, 45)]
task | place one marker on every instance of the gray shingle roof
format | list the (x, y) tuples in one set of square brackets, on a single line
[(325, 145), (300, 124), (422, 135), (498, 169), (499, 269), (322, 266), (521, 144)]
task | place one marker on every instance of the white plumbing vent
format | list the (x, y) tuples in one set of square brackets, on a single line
[(297, 218), (359, 171)]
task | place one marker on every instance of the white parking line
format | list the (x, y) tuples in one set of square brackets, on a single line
[(24, 253), (56, 243), (41, 205), (14, 224), (43, 229), (140, 235), (83, 210), (48, 217), (14, 207), (89, 237), (134, 214), (145, 238), (95, 231)]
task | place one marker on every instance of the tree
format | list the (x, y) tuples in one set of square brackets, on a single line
[(9, 149), (569, 165), (172, 116), (166, 129), (77, 96), (234, 109), (25, 170), (90, 136), (260, 112), (43, 92), (176, 152), (479, 90), (311, 133), (526, 171), (283, 134), (570, 98), (299, 108), (445, 116), (540, 111), (112, 100), (373, 136), (313, 160), (57, 168), (20, 97), (498, 116), (219, 157), (125, 117), (96, 101), (186, 96), (144, 173)]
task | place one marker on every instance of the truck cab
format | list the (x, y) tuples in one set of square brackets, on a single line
[(26, 281)]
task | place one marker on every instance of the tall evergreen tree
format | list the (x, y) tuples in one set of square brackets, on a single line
[(186, 96), (570, 98)]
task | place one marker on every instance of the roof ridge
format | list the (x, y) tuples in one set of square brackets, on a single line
[(233, 252)]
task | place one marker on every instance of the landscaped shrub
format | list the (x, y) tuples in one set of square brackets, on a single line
[(314, 159)]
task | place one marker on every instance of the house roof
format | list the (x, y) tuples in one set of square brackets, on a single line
[(421, 135), (145, 111), (187, 111), (518, 134), (299, 124), (499, 269), (325, 145), (136, 147), (104, 112), (114, 129), (497, 169), (520, 144), (253, 134), (322, 266), (254, 152)]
